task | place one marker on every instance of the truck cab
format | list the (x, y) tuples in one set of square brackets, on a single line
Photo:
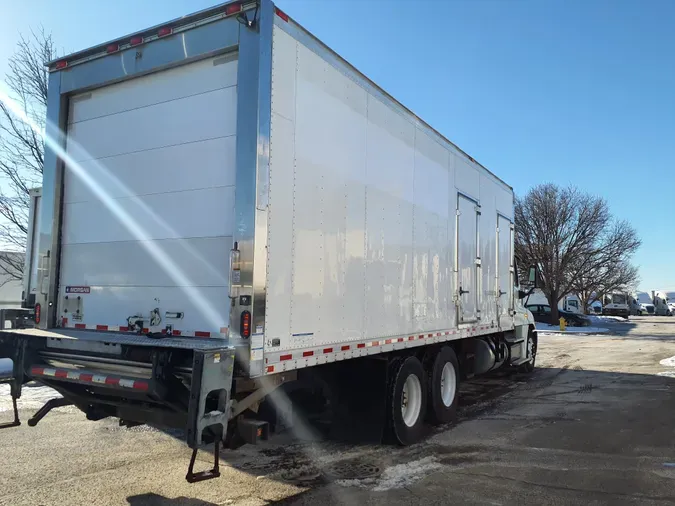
[(660, 301), (617, 304), (571, 304)]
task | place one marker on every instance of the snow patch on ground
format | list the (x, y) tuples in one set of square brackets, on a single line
[(5, 367), (544, 328), (32, 397), (668, 362), (398, 476), (604, 319)]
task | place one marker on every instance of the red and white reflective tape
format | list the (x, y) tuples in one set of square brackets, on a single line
[(115, 328), (87, 377), (296, 359)]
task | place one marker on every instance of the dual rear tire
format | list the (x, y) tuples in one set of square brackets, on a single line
[(420, 392)]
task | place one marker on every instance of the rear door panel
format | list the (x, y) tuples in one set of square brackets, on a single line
[(148, 213)]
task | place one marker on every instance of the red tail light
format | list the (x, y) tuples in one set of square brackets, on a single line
[(38, 313), (135, 41), (162, 32), (281, 14), (112, 48), (245, 324), (233, 9)]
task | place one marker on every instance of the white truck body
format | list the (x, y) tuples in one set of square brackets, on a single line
[(570, 303), (235, 192), (10, 288), (32, 268), (375, 227)]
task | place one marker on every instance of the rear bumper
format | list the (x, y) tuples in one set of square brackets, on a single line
[(173, 382), (615, 312)]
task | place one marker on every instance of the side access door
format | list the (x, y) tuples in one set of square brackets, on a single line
[(468, 260), (505, 270)]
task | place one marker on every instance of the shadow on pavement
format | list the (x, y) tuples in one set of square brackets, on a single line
[(564, 435), (152, 499)]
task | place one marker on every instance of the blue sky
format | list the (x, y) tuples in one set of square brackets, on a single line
[(569, 92)]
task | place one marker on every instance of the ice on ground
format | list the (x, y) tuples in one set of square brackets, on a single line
[(398, 476), (668, 362), (405, 474), (545, 328), (668, 374), (32, 397)]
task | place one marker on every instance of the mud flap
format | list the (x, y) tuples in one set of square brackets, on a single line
[(358, 400)]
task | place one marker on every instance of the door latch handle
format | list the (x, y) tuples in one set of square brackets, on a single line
[(502, 293), (462, 292)]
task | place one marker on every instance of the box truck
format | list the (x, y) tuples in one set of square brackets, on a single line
[(570, 303), (229, 208)]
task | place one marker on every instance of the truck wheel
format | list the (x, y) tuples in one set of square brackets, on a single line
[(531, 351), (406, 400), (443, 386)]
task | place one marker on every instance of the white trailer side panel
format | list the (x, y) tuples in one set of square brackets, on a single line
[(148, 210), (389, 196), (433, 226), (363, 214)]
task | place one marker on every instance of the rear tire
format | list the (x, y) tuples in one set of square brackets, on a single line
[(443, 386), (531, 351), (406, 400)]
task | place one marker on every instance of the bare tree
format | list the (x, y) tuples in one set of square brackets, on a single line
[(21, 149), (569, 235), (618, 276)]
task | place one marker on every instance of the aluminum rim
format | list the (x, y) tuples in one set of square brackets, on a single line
[(448, 384), (411, 400)]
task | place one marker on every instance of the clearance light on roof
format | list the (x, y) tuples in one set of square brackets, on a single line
[(112, 48), (135, 41), (281, 14), (60, 64), (164, 31), (233, 8)]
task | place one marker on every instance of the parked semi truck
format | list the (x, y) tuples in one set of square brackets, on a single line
[(660, 301), (230, 210)]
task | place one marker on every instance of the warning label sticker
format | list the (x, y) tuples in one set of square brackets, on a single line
[(78, 289)]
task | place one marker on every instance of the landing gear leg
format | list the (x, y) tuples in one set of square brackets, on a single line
[(16, 421)]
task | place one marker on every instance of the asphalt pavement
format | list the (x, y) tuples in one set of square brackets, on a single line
[(592, 425)]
